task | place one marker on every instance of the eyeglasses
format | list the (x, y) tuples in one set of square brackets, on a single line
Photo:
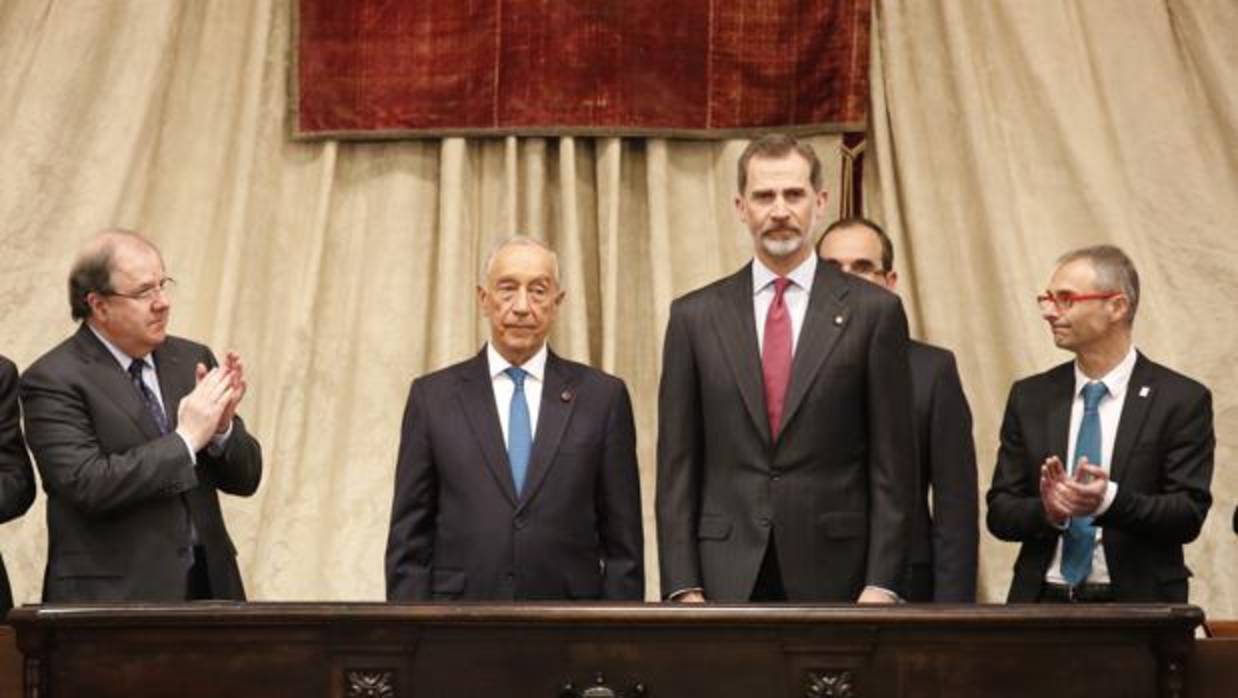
[(165, 287), (1065, 300)]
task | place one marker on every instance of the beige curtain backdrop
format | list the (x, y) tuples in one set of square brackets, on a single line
[(342, 270)]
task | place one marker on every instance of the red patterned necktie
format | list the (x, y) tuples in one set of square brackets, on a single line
[(776, 355)]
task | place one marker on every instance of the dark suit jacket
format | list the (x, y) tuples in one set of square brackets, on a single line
[(835, 489), (16, 475), (458, 530), (117, 491), (1162, 463), (944, 543)]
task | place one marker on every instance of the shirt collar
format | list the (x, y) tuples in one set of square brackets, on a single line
[(1115, 381), (535, 366), (121, 357), (802, 275)]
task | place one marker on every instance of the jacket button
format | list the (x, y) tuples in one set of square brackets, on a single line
[(519, 522), (764, 522)]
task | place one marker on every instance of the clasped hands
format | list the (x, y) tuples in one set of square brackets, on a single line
[(1065, 496), (208, 410)]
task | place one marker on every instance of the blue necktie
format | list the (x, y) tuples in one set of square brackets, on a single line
[(1079, 540), (519, 429)]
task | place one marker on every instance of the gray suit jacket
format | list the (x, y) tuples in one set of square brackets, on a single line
[(118, 493), (460, 532), (834, 490), (16, 475)]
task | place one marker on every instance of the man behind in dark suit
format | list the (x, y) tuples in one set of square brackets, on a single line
[(785, 456), (134, 432), (945, 535), (16, 475), (517, 474), (1136, 439)]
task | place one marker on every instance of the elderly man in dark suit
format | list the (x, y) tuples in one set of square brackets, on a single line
[(945, 534), (1106, 461), (785, 457), (517, 474), (16, 475), (134, 433)]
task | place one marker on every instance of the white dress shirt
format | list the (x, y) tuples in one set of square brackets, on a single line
[(1110, 408), (504, 386), (795, 297)]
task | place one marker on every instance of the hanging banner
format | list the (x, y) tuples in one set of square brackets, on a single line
[(686, 68)]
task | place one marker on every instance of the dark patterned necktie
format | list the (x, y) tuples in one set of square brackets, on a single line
[(148, 397)]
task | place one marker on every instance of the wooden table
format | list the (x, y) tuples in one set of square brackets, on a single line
[(351, 650)]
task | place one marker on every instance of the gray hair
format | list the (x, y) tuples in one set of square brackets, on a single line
[(1114, 271), (520, 240), (92, 269)]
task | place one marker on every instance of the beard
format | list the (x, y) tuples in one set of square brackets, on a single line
[(783, 247)]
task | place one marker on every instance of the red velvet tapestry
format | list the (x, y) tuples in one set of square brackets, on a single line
[(694, 68)]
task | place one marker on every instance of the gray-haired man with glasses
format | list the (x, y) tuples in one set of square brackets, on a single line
[(134, 432), (1105, 463)]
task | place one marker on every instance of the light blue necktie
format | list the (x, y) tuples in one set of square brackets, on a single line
[(519, 429), (1079, 540)]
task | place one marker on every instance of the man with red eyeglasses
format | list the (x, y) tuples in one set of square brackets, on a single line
[(1105, 463)]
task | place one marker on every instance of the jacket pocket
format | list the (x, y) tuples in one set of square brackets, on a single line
[(842, 524), (447, 583), (1176, 573), (713, 528), (83, 564)]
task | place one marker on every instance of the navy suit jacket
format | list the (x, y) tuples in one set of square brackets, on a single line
[(460, 532), (1161, 461), (944, 540)]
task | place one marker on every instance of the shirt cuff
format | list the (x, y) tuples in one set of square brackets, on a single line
[(193, 457), (1111, 493), (680, 592), (218, 442), (896, 597)]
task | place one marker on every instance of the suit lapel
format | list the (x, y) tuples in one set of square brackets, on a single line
[(477, 403), (1061, 398), (1135, 408), (554, 413), (825, 320), (113, 381), (737, 335)]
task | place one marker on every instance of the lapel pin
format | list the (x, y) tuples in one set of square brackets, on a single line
[(838, 320), (566, 396), (1144, 391)]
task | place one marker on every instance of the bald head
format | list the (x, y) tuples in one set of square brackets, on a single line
[(487, 270)]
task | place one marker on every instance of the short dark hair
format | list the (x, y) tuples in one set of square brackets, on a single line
[(776, 145), (887, 246), (1114, 271), (91, 273), (92, 270)]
